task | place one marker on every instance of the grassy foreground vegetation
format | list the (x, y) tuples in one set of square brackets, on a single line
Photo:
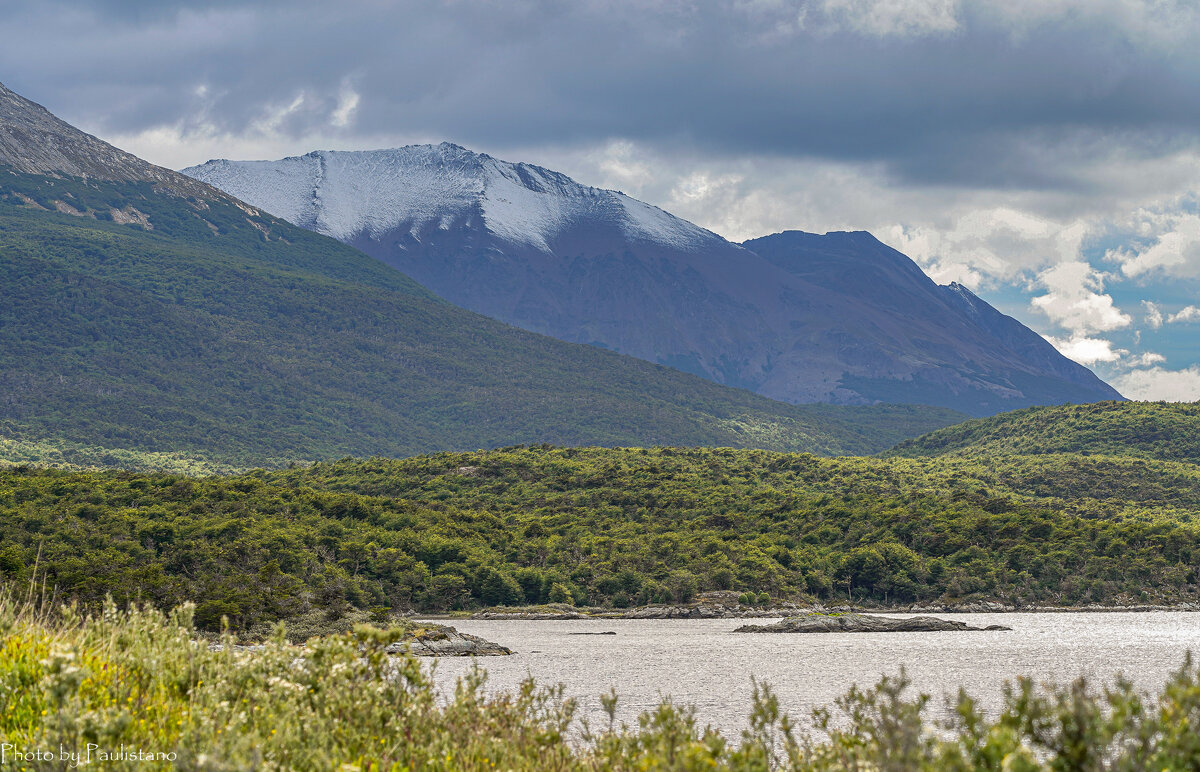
[(138, 681)]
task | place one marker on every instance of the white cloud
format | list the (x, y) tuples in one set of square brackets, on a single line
[(700, 187), (1187, 314), (1075, 303), (620, 166), (1146, 359), (1175, 250), (346, 105), (274, 116), (992, 243), (1163, 24), (980, 237), (1154, 315), (1157, 383), (1159, 23), (900, 18), (1087, 351), (977, 237)]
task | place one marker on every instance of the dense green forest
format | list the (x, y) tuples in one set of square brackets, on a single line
[(1160, 430), (207, 328), (614, 527)]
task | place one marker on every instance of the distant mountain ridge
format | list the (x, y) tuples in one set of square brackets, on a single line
[(142, 310), (445, 185), (796, 317)]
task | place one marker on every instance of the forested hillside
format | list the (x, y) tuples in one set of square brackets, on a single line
[(1168, 431), (137, 320), (608, 527)]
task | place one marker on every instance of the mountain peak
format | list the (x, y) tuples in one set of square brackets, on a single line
[(34, 141), (857, 236), (840, 259), (221, 331), (416, 191), (796, 316)]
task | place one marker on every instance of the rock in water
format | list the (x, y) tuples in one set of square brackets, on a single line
[(441, 641), (816, 622), (606, 632)]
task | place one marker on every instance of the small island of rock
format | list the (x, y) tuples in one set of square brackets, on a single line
[(818, 622), (444, 641)]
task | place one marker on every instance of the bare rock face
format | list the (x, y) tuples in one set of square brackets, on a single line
[(33, 141), (817, 622)]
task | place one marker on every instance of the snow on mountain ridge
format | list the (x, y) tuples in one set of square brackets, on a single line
[(347, 193)]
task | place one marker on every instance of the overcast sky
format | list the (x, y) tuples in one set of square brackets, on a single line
[(1044, 152)]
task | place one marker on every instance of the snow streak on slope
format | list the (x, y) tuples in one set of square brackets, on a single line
[(346, 194)]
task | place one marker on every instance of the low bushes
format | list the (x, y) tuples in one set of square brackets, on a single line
[(136, 682)]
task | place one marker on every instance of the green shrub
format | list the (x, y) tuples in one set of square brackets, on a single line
[(140, 679), (560, 593), (635, 524)]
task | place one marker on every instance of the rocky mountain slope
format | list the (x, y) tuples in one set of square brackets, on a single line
[(797, 317), (143, 310), (34, 141)]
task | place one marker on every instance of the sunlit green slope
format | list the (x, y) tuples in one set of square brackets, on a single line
[(1160, 430)]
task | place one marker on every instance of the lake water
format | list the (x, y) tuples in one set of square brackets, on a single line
[(703, 663)]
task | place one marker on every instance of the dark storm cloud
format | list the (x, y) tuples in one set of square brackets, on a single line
[(991, 102)]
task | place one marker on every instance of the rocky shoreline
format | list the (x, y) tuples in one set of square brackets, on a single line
[(709, 610), (819, 622), (991, 607), (645, 612), (425, 641)]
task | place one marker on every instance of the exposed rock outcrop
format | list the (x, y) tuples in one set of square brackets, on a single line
[(817, 622), (35, 142), (425, 641), (443, 641), (606, 632)]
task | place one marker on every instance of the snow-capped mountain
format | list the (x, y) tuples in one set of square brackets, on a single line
[(352, 194), (143, 309), (794, 316)]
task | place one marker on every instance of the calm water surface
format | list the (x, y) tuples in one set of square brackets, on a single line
[(701, 662)]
